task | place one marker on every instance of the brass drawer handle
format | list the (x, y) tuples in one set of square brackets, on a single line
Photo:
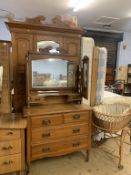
[(37, 99), (76, 144), (7, 147), (8, 162), (46, 135), (76, 116), (10, 133), (46, 122), (76, 130), (47, 149)]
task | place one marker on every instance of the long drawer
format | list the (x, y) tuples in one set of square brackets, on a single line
[(9, 134), (45, 134), (10, 163), (59, 147), (10, 147)]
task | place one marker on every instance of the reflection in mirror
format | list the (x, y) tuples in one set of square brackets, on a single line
[(57, 73), (1, 80), (85, 76), (47, 46)]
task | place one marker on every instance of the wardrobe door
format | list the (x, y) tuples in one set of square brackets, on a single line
[(21, 43)]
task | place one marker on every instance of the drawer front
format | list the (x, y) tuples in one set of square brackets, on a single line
[(44, 135), (48, 120), (10, 163), (76, 117), (9, 134), (60, 147), (10, 147), (34, 99)]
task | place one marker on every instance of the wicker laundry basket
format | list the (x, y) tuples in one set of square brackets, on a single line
[(111, 117)]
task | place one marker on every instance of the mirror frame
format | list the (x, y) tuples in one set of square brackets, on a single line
[(1, 81), (38, 56)]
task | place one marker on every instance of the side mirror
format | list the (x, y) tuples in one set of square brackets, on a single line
[(1, 81), (85, 76)]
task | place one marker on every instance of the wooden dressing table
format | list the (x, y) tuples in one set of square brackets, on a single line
[(57, 122)]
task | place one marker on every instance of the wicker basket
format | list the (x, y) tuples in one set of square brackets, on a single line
[(111, 117)]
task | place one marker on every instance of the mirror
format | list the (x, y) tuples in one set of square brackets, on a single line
[(50, 47), (53, 73), (85, 75), (47, 46), (1, 80)]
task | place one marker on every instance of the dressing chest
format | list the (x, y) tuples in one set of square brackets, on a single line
[(57, 130), (12, 143)]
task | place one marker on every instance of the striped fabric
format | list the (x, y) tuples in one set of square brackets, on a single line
[(101, 75)]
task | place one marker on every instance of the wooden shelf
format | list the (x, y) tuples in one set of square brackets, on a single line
[(41, 98)]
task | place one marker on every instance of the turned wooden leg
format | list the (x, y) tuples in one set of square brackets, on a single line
[(87, 156), (19, 173), (22, 173), (120, 166), (27, 169), (130, 134)]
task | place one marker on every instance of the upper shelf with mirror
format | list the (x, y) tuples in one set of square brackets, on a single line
[(53, 78), (58, 45), (52, 75)]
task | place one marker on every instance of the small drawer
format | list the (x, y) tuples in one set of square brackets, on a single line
[(47, 120), (44, 135), (76, 143), (34, 99), (10, 163), (76, 117), (10, 147), (9, 134)]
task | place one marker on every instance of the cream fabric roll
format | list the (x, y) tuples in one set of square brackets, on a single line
[(101, 75)]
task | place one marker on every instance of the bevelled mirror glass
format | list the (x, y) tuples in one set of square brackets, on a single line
[(1, 80), (48, 47), (57, 73)]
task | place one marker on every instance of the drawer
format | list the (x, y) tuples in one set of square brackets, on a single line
[(56, 148), (10, 147), (44, 135), (10, 163), (76, 117), (9, 134), (37, 99), (47, 120)]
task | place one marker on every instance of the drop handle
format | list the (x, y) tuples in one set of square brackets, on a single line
[(47, 149), (46, 135), (46, 122), (10, 133), (76, 144), (37, 99), (76, 116), (7, 147), (8, 162), (76, 130)]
